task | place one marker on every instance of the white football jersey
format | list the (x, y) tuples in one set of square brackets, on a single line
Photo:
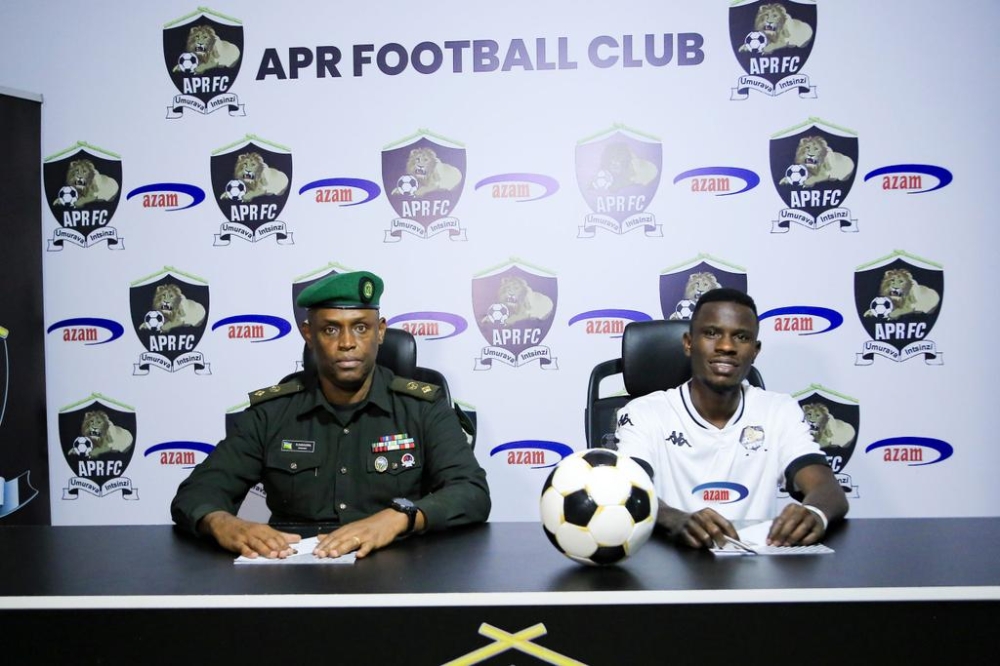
[(735, 470)]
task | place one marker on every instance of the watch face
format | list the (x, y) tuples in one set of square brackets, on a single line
[(404, 504)]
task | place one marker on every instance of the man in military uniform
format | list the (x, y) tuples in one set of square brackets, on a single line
[(370, 454)]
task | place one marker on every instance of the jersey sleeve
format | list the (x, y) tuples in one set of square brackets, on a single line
[(637, 432)]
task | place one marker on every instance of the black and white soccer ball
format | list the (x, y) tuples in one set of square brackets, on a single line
[(598, 506), (68, 195), (236, 189), (497, 314), (153, 320), (82, 446), (187, 62), (603, 180), (881, 307), (755, 42), (407, 185), (797, 174), (685, 308)]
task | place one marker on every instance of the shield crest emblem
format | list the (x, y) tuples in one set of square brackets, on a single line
[(203, 53), (772, 39), (169, 316), (514, 309), (300, 314), (251, 183), (681, 288), (82, 186), (833, 421), (813, 169), (898, 301), (423, 181), (97, 440)]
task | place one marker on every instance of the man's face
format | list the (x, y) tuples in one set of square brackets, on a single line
[(722, 345), (344, 344)]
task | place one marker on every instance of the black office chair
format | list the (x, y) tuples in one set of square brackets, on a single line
[(398, 352), (652, 359)]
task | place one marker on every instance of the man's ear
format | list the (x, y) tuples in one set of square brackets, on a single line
[(381, 330), (306, 333), (686, 339)]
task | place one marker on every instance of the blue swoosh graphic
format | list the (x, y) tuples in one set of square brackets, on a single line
[(944, 449), (560, 449), (751, 179), (458, 322), (742, 491), (196, 193), (550, 184), (832, 316), (943, 175), (113, 327), (371, 189), (277, 322)]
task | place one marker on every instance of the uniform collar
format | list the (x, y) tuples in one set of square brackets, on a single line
[(685, 391), (378, 393)]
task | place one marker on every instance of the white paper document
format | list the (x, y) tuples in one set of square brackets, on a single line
[(754, 542), (304, 555)]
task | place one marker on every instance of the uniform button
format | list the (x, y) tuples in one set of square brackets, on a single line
[(342, 506), (395, 465), (347, 431), (294, 465), (343, 470)]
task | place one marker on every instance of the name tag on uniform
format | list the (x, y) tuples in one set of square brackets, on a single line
[(298, 446), (399, 442)]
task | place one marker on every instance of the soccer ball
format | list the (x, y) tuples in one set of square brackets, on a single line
[(235, 189), (497, 313), (881, 306), (407, 185), (154, 320), (68, 195), (187, 62), (82, 446), (685, 308), (797, 174), (598, 506), (755, 42), (602, 180)]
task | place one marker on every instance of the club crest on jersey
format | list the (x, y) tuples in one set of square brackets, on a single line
[(250, 180), (772, 40), (203, 52), (169, 315), (813, 166), (97, 436), (752, 438), (833, 420), (423, 179), (618, 172), (514, 309), (82, 184), (898, 299), (681, 286)]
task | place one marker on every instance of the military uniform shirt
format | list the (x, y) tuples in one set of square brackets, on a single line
[(314, 468), (735, 470)]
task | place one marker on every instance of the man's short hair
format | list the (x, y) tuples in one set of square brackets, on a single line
[(724, 295)]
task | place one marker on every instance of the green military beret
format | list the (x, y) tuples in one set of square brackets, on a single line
[(360, 289)]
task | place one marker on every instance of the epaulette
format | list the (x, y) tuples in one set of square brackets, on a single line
[(264, 394), (411, 387)]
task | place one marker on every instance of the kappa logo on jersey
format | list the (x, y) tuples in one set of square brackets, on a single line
[(82, 184), (719, 181), (169, 316), (430, 325), (253, 327), (168, 197), (720, 492), (678, 439), (813, 169), (898, 299), (608, 323), (618, 172), (912, 451), (833, 420), (424, 180), (514, 309), (520, 187), (772, 40), (801, 319), (97, 440), (911, 178), (682, 286), (203, 52), (251, 185), (537, 454), (88, 330)]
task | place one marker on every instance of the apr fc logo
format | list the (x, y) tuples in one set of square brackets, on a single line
[(251, 185), (682, 286), (82, 184), (514, 309), (898, 299), (169, 316), (833, 420), (772, 41), (618, 173), (813, 167), (203, 52), (97, 438), (423, 180)]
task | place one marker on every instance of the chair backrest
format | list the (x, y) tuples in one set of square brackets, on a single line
[(653, 359)]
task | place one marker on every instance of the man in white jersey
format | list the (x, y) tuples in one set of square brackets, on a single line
[(719, 447)]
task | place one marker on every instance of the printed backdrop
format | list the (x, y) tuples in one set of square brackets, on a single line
[(527, 178)]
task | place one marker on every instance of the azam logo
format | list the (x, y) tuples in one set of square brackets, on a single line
[(82, 184), (203, 52)]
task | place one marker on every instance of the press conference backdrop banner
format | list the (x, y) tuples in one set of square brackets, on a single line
[(528, 178)]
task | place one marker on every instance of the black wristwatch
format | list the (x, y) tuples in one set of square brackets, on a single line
[(404, 505)]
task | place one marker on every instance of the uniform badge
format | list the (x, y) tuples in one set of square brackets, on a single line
[(752, 438), (408, 460), (381, 464)]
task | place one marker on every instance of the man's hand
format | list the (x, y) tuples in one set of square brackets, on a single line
[(247, 538), (702, 529), (366, 535), (796, 526)]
